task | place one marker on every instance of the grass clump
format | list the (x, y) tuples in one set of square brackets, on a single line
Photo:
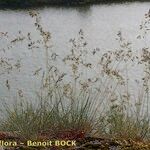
[(50, 117), (124, 126), (79, 102)]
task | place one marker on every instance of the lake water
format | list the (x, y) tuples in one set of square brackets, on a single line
[(100, 24)]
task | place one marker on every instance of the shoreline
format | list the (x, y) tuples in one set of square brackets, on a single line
[(20, 5)]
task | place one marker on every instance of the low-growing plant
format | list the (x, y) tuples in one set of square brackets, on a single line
[(81, 99)]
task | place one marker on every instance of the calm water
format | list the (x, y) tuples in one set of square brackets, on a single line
[(100, 24)]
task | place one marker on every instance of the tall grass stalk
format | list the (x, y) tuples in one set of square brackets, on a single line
[(99, 104)]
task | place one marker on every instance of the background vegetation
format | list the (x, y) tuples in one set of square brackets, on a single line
[(22, 3)]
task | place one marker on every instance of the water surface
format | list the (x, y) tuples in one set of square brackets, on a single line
[(100, 24)]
